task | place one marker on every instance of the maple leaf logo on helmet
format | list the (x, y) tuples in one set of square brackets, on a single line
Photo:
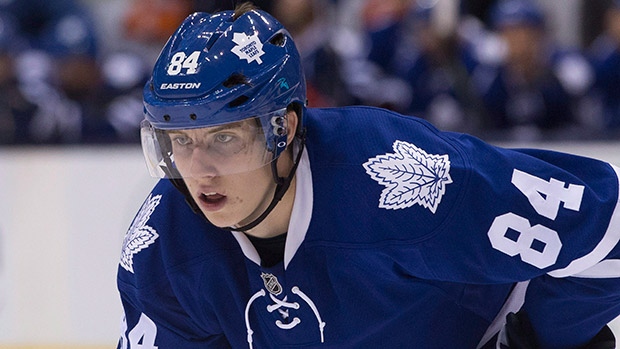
[(248, 47)]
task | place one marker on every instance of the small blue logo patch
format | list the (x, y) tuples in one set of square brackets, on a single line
[(283, 83)]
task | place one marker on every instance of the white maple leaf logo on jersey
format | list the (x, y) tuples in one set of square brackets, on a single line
[(248, 47), (140, 235), (411, 176)]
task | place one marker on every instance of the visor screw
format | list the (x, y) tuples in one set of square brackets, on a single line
[(281, 131), (277, 121), (166, 117), (192, 116)]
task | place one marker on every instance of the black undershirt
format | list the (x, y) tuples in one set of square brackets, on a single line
[(270, 250)]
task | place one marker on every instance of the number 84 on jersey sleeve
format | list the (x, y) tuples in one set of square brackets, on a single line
[(537, 245)]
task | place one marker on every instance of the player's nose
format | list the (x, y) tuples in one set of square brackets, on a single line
[(202, 163)]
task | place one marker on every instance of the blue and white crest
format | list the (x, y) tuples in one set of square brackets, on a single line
[(140, 235), (248, 47), (411, 176)]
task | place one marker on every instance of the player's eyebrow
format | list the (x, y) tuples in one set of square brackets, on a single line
[(212, 129)]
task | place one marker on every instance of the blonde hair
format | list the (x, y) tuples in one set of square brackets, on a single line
[(244, 8)]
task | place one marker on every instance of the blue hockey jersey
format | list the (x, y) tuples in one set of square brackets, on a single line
[(401, 236)]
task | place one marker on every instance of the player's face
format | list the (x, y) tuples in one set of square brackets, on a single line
[(226, 169), (523, 42), (613, 24)]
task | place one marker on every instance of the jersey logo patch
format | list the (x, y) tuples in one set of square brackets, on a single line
[(140, 235), (411, 176), (248, 47), (271, 283)]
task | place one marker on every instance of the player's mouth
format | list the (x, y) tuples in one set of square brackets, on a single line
[(212, 201)]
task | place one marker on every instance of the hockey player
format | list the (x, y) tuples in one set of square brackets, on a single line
[(281, 226)]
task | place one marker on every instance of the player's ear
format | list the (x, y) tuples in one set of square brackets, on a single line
[(292, 120)]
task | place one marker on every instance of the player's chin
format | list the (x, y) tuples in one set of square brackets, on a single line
[(219, 220)]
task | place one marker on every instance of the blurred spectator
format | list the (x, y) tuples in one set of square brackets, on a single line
[(536, 90), (153, 21), (58, 27), (383, 21), (364, 50), (422, 45), (57, 71), (16, 111), (125, 74), (605, 54), (310, 22), (147, 24), (436, 60)]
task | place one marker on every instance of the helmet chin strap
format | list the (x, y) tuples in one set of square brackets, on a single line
[(282, 186)]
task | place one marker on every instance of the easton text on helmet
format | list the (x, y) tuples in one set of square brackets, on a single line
[(180, 86)]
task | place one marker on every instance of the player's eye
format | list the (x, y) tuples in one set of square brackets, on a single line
[(224, 138), (181, 140)]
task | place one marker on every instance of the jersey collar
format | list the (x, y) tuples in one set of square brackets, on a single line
[(300, 216)]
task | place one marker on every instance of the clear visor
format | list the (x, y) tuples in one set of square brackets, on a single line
[(232, 148)]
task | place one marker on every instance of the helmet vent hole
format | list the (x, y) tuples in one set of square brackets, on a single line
[(166, 117), (212, 40), (235, 79), (278, 40), (238, 101), (192, 116)]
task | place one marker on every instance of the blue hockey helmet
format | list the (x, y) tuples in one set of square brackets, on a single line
[(219, 69), (516, 12)]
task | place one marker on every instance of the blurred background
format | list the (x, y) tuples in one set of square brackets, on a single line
[(71, 71), (542, 73)]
